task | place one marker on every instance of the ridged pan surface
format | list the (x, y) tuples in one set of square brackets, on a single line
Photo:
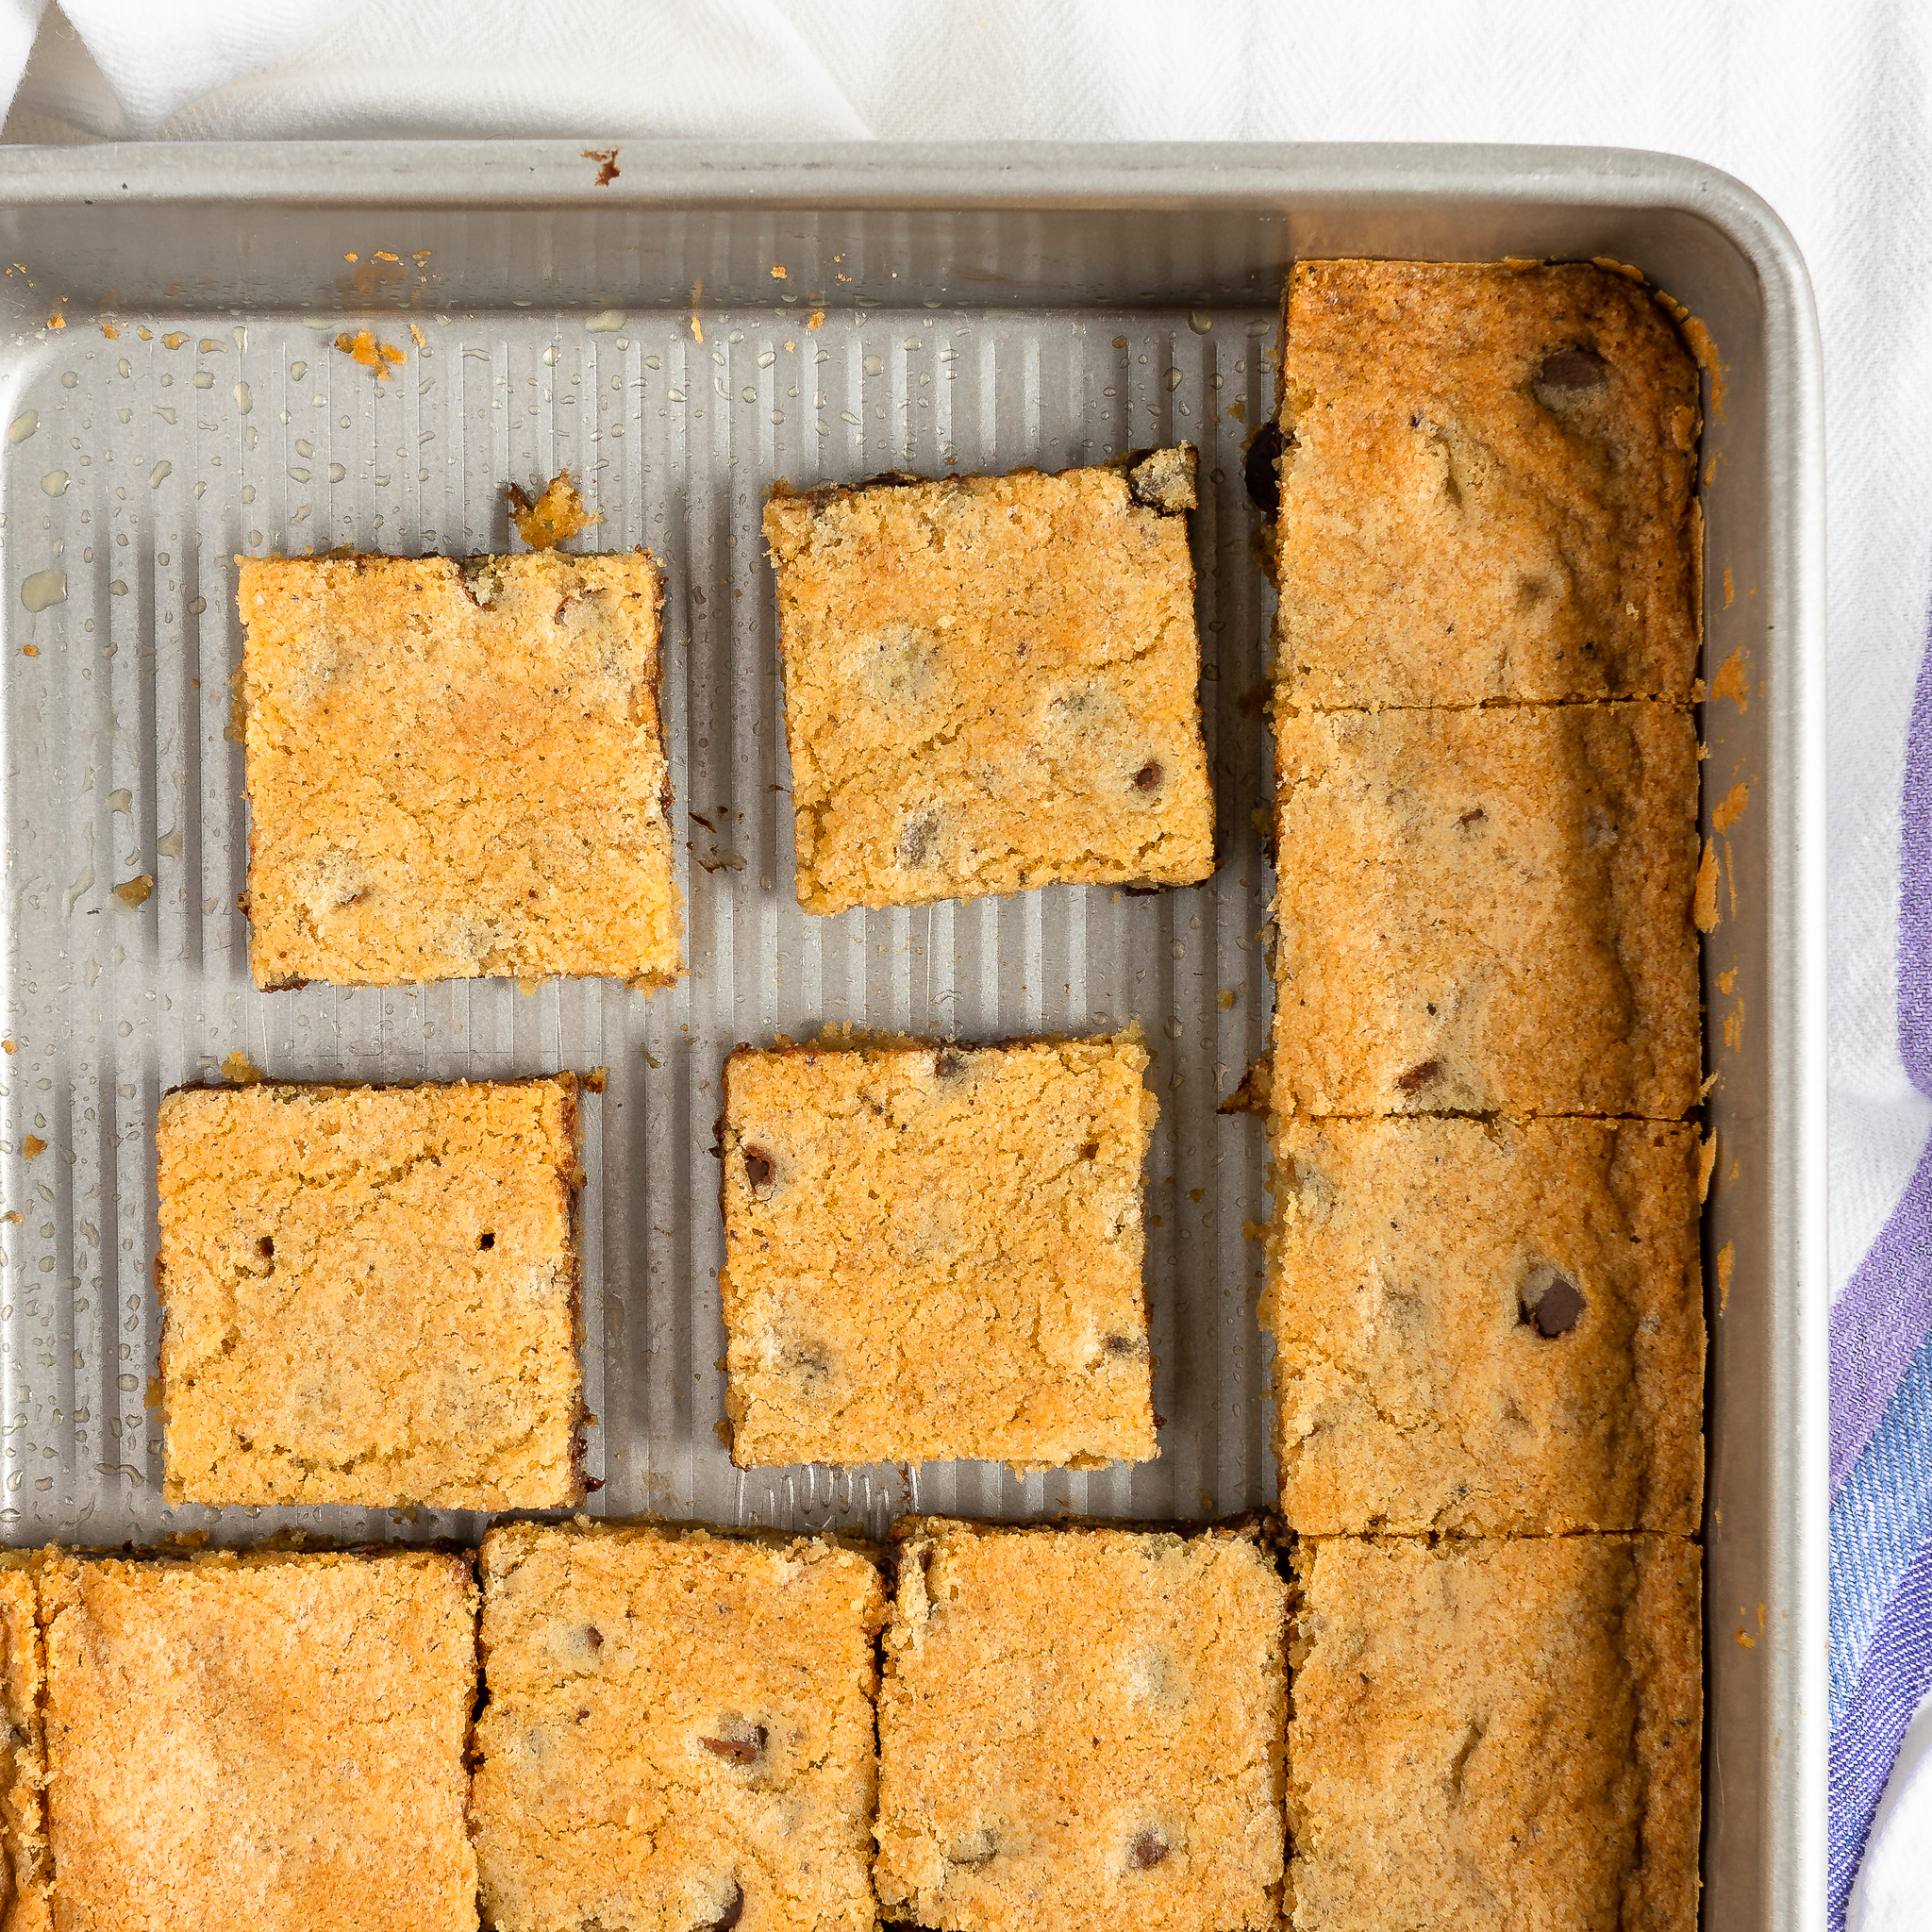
[(137, 468)]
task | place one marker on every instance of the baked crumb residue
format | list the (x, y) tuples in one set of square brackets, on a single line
[(605, 158), (363, 348), (553, 516)]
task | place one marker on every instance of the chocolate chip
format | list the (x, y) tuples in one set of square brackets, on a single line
[(265, 1247), (737, 1750), (1261, 471), (596, 1636), (918, 840), (479, 579), (947, 1063), (1554, 1312), (1570, 370), (734, 1910), (486, 1241), (1149, 1849), (1474, 815), (583, 1712), (1148, 776), (1420, 1076), (759, 1169)]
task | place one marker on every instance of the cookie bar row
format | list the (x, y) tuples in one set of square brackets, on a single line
[(370, 1295), (662, 1725), (457, 768), (1483, 1272)]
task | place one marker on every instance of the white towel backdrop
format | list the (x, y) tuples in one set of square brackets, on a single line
[(1821, 106)]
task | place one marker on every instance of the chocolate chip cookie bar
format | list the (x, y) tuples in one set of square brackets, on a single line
[(456, 770), (1487, 910), (261, 1744), (991, 683), (1082, 1727), (678, 1730), (1495, 1733), (1486, 1329), (370, 1294), (1486, 486), (24, 1902), (934, 1251)]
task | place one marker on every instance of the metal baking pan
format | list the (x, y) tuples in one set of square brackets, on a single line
[(681, 327)]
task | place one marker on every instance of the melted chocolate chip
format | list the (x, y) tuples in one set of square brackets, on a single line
[(594, 1635), (737, 1750), (1569, 370), (1148, 1850), (1474, 815), (1556, 1312), (759, 1169), (1261, 472), (1420, 1076), (733, 1912), (948, 1063), (1090, 1150), (1149, 775), (1122, 1345), (265, 1247)]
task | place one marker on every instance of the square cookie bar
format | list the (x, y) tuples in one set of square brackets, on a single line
[(934, 1251), (261, 1744), (678, 1731), (992, 683), (25, 1903), (1486, 1329), (1082, 1727), (1486, 486), (370, 1294), (456, 770), (1494, 1734), (1487, 910)]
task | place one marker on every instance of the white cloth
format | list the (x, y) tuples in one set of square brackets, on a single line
[(1821, 107)]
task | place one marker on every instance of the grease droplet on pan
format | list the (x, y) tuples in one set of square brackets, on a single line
[(43, 589)]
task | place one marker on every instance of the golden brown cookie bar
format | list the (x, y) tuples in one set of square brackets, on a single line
[(678, 1731), (934, 1251), (1487, 910), (25, 1900), (1486, 1328), (1082, 1727), (370, 1294), (456, 769), (263, 1743), (992, 683), (1494, 1734), (1486, 486)]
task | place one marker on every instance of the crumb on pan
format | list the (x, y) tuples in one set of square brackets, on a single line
[(553, 516)]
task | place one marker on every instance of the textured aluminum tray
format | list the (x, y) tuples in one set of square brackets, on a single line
[(680, 334)]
